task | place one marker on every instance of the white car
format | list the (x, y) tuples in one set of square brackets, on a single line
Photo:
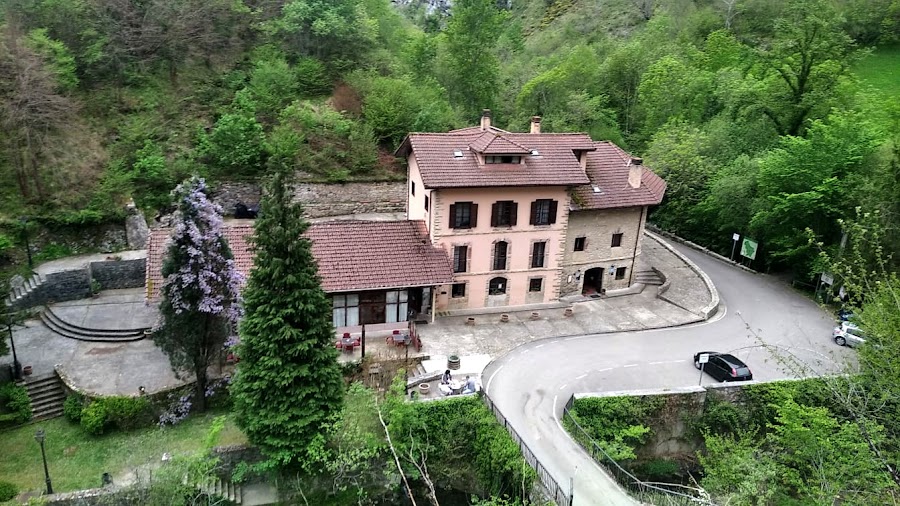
[(848, 334)]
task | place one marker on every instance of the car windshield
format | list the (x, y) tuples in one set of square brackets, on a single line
[(743, 371)]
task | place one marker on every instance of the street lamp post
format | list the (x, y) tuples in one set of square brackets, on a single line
[(24, 221), (17, 366), (39, 437)]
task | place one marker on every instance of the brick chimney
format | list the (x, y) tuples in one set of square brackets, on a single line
[(535, 124), (485, 119), (635, 171)]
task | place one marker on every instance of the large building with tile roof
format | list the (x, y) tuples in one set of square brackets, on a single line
[(494, 219), (528, 217)]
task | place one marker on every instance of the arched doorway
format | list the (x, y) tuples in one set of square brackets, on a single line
[(593, 281)]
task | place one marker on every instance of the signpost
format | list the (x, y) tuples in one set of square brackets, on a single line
[(703, 359), (735, 237)]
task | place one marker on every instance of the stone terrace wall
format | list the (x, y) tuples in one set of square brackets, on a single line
[(116, 274), (76, 283), (322, 200), (57, 287), (672, 433)]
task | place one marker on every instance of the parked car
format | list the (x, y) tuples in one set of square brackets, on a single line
[(848, 334), (845, 314), (723, 367)]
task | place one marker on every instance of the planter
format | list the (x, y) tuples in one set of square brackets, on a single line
[(504, 318), (470, 320), (148, 333), (453, 362), (568, 312), (535, 315), (27, 370), (424, 388)]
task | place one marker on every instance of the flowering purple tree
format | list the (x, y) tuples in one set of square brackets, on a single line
[(200, 303)]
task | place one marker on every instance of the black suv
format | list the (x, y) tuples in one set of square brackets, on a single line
[(724, 367)]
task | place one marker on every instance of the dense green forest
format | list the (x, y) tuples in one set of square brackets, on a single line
[(753, 110)]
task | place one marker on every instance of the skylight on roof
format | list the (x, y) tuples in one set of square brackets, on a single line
[(457, 154), (596, 188), (535, 152)]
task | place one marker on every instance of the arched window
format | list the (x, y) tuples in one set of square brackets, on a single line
[(497, 286), (501, 254)]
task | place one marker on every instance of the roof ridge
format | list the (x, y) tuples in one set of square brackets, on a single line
[(509, 141)]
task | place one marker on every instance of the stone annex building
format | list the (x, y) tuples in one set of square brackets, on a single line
[(494, 219)]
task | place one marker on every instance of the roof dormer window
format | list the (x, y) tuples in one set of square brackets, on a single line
[(502, 159)]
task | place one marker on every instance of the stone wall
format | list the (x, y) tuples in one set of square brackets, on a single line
[(597, 228), (106, 238), (57, 287), (76, 283), (322, 200), (672, 433), (116, 274)]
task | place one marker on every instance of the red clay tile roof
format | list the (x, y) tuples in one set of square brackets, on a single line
[(492, 143), (353, 255), (369, 255), (555, 163), (607, 168)]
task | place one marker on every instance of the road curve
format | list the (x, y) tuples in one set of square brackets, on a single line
[(531, 384)]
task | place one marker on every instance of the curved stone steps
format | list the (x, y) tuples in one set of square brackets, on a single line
[(59, 326)]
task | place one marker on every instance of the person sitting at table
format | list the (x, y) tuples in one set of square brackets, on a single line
[(445, 389), (445, 379), (470, 385)]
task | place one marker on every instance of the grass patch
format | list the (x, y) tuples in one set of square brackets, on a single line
[(880, 70), (76, 460)]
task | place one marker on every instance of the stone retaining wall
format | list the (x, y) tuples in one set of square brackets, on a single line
[(57, 287), (76, 283), (672, 431), (117, 274), (320, 199)]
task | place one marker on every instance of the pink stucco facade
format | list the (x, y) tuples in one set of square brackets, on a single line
[(521, 276), (467, 184)]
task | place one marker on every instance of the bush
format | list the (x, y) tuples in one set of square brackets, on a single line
[(127, 412), (6, 244), (8, 491), (94, 419), (658, 470), (123, 413), (15, 405), (73, 406)]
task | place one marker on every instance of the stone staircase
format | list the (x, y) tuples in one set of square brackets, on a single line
[(415, 372), (61, 327), (47, 396), (223, 489), (31, 284), (649, 277)]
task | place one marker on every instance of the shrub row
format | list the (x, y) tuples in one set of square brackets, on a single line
[(98, 415)]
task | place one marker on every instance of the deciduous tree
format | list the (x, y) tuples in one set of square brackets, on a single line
[(288, 383), (798, 74), (200, 303), (33, 112), (473, 68)]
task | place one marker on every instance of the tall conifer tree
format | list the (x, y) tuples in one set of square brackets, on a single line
[(288, 382), (200, 303)]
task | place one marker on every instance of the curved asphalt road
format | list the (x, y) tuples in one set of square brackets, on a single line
[(531, 384)]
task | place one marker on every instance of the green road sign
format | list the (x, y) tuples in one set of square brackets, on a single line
[(748, 248)]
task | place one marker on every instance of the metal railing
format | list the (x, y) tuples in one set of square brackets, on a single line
[(557, 494), (649, 493)]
